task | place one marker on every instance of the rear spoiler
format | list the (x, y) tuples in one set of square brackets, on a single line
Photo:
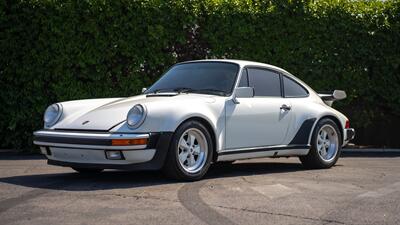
[(334, 96)]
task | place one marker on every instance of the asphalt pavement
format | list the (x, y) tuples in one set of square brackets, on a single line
[(363, 188)]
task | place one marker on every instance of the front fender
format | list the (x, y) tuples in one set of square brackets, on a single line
[(167, 116)]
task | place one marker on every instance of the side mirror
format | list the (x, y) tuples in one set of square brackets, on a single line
[(339, 95), (243, 92), (143, 90)]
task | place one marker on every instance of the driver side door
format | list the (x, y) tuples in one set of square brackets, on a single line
[(262, 120)]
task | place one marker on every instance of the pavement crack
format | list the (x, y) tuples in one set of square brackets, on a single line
[(148, 197), (136, 197), (327, 221)]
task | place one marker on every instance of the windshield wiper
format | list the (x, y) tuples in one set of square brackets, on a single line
[(180, 90), (201, 91), (183, 90), (160, 90), (211, 91)]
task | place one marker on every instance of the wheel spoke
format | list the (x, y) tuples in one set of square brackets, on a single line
[(325, 135), (192, 161), (323, 151), (196, 150), (320, 139), (320, 147), (192, 138), (183, 156), (183, 144)]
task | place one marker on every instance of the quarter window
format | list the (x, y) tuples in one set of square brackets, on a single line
[(264, 82), (293, 89)]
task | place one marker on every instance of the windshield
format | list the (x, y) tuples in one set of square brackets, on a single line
[(198, 77)]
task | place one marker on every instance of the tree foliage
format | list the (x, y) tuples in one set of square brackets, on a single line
[(57, 50)]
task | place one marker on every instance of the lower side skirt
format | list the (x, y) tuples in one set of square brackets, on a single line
[(273, 151)]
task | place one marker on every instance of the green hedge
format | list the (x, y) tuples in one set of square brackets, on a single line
[(53, 50)]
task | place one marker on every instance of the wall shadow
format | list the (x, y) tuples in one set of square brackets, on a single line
[(382, 154), (20, 156)]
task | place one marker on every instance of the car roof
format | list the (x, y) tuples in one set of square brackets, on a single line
[(241, 63)]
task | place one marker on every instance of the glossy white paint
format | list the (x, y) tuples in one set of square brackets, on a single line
[(259, 116), (251, 123)]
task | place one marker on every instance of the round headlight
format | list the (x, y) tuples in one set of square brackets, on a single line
[(52, 114), (136, 116)]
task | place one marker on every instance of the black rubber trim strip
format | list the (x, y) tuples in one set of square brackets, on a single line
[(77, 140), (80, 130), (116, 125), (162, 147), (98, 148), (153, 137), (302, 135), (272, 148)]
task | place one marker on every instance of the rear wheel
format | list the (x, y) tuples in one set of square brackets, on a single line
[(190, 152), (325, 146), (87, 170)]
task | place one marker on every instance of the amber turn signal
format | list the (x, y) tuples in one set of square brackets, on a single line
[(122, 142)]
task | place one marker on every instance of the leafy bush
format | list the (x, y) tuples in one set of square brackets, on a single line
[(57, 50)]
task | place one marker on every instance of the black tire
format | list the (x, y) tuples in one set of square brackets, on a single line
[(313, 159), (87, 170), (173, 168)]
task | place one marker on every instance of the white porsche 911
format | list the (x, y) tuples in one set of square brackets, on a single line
[(198, 113)]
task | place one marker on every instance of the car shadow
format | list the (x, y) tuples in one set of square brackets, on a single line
[(107, 180), (72, 181)]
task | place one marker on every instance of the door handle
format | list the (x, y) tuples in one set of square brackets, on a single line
[(286, 107)]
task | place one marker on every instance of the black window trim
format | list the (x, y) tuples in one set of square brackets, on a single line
[(241, 75), (268, 69), (283, 87)]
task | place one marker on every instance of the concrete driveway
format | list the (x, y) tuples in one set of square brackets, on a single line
[(359, 190)]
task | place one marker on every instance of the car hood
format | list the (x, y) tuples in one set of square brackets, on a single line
[(107, 113)]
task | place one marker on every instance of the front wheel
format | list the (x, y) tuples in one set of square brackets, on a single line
[(190, 152), (326, 145)]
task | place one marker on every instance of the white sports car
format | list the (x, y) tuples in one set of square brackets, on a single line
[(198, 113)]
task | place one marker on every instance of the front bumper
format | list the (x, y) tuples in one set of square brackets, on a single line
[(88, 149)]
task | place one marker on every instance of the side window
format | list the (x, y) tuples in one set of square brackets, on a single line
[(244, 80), (293, 89), (264, 82)]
